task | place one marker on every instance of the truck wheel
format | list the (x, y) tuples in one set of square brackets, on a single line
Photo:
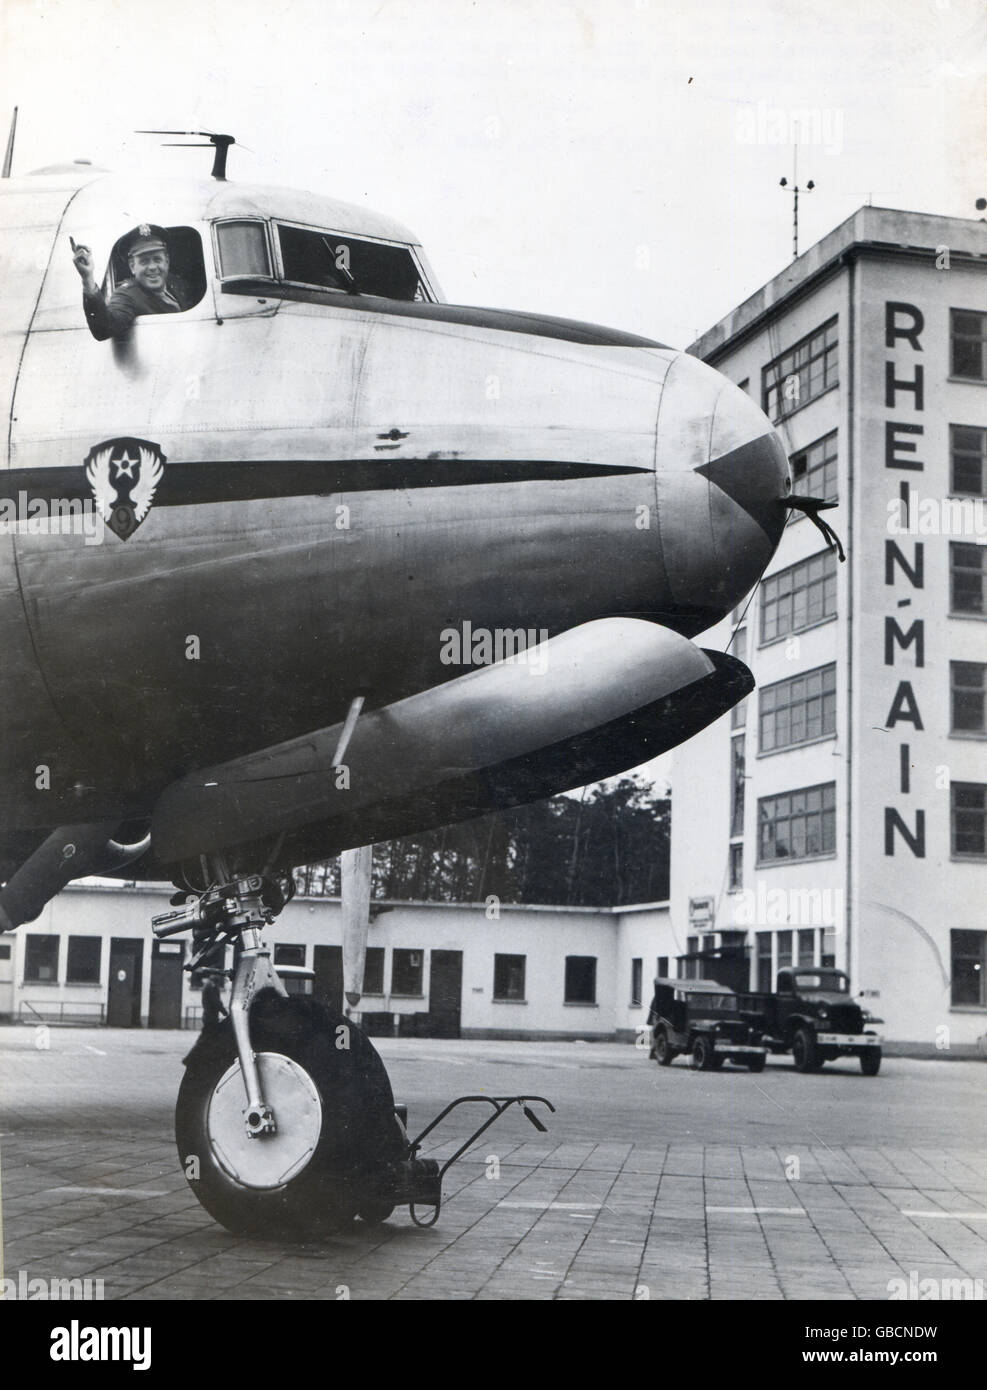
[(664, 1052), (870, 1061), (703, 1057), (804, 1050), (756, 1063)]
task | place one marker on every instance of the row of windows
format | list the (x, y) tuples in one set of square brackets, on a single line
[(407, 973), (805, 593), (802, 708), (283, 253), (801, 824), (803, 372), (82, 965), (798, 597), (797, 825), (814, 468)]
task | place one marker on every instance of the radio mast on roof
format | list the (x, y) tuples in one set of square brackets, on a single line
[(795, 196)]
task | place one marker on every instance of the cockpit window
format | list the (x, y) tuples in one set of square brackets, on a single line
[(243, 250), (348, 265), (186, 271)]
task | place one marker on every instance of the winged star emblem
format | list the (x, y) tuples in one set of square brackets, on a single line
[(124, 475)]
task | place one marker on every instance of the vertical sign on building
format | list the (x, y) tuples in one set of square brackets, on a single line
[(904, 632)]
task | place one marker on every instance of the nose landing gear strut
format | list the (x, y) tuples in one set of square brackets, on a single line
[(285, 1123)]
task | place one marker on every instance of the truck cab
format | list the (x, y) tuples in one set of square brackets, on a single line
[(813, 1014)]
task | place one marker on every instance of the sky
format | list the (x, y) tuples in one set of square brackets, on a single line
[(613, 160), (610, 160)]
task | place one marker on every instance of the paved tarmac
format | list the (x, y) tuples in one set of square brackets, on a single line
[(652, 1183)]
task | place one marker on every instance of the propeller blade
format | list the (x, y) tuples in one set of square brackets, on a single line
[(356, 868)]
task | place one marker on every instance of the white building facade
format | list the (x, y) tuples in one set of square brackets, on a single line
[(840, 815), (435, 969)]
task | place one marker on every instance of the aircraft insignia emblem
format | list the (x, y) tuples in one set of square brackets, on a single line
[(124, 475)]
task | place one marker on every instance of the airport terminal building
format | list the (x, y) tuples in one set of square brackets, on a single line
[(839, 816)]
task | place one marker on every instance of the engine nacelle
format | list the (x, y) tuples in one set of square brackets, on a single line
[(590, 703)]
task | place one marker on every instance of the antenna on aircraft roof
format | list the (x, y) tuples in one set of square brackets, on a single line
[(220, 143), (8, 158)]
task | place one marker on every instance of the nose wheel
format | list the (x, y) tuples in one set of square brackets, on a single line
[(336, 1135)]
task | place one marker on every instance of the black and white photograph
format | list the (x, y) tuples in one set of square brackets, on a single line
[(493, 664)]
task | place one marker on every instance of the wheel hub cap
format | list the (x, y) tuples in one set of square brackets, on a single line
[(268, 1160)]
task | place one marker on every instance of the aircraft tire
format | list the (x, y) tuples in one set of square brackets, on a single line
[(337, 1135)]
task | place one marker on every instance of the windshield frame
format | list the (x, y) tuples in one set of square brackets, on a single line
[(839, 980), (282, 279)]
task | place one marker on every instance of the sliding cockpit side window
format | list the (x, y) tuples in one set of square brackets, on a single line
[(348, 265), (184, 271), (243, 250)]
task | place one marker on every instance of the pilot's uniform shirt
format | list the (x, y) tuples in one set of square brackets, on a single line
[(113, 319)]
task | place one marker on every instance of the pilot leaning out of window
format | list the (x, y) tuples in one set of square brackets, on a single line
[(147, 292)]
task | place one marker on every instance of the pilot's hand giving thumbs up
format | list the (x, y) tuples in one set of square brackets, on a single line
[(82, 258)]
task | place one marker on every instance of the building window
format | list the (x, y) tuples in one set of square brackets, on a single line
[(85, 954), (968, 460), (509, 977), (406, 972), (966, 573), (373, 970), (4, 950), (784, 950), (663, 967), (968, 687), (968, 331), (828, 947), (637, 973), (738, 785), (797, 597), (798, 710), (807, 947), (800, 374), (288, 953), (580, 979), (969, 960), (738, 715), (969, 819), (814, 469), (797, 825), (736, 866), (41, 959), (764, 976)]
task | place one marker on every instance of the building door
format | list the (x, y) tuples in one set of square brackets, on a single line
[(327, 964), (123, 1008), (445, 994), (165, 1007), (6, 979)]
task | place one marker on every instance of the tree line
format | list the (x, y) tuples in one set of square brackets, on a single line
[(606, 846)]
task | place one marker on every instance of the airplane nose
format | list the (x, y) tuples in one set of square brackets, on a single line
[(723, 471)]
